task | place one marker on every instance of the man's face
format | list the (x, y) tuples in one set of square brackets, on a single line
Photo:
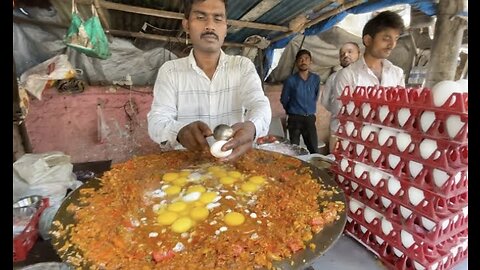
[(303, 62), (348, 54), (207, 25), (382, 44)]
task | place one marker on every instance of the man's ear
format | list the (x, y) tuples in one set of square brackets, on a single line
[(367, 40), (185, 25)]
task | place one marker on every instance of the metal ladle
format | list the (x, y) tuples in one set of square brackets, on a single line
[(222, 132)]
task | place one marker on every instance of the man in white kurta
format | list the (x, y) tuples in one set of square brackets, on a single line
[(380, 36)]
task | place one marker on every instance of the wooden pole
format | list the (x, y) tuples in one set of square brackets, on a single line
[(322, 17), (179, 16), (447, 41)]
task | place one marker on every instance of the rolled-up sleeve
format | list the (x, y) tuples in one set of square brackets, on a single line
[(254, 99), (163, 126)]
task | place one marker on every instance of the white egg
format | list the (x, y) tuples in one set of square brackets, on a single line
[(343, 164), (393, 185), (386, 202), (369, 214), (350, 107), (439, 177), (454, 251), (418, 266), (367, 130), (349, 127), (375, 154), (453, 125), (427, 148), (383, 112), (415, 168), (445, 224), (359, 169), (379, 240), (216, 149), (463, 85), (415, 195), (407, 239), (366, 108), (443, 90), (403, 115), (363, 229), (384, 134), (369, 193), (354, 185), (354, 205), (375, 176), (340, 178), (428, 224), (386, 226), (403, 140), (457, 177), (405, 212), (397, 252), (393, 160), (345, 144), (359, 149), (426, 120), (465, 211)]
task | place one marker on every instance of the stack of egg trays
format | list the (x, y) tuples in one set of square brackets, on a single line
[(434, 227)]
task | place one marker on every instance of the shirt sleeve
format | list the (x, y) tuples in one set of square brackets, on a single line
[(162, 124), (285, 95), (325, 99), (254, 99)]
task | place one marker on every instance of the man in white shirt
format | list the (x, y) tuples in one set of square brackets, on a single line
[(194, 94), (380, 36), (347, 54)]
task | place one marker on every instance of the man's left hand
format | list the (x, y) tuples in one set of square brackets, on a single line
[(241, 142)]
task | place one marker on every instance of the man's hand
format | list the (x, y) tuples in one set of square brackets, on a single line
[(241, 142), (193, 136)]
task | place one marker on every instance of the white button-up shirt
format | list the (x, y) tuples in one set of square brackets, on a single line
[(183, 93), (359, 74)]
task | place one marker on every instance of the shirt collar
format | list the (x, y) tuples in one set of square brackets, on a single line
[(386, 64), (193, 63)]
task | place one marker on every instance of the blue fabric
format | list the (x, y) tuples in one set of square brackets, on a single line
[(299, 96), (429, 7)]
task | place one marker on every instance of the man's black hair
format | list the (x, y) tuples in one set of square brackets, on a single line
[(385, 19), (302, 52), (187, 6)]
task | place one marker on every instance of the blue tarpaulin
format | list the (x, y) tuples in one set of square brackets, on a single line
[(426, 6)]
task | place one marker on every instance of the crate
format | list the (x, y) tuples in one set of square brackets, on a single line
[(24, 242)]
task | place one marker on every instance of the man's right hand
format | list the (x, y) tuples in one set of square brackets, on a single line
[(193, 136)]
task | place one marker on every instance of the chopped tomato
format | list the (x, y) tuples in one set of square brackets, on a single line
[(237, 249), (317, 221), (295, 245), (159, 256)]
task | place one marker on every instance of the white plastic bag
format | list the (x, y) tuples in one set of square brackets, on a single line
[(47, 174), (36, 78)]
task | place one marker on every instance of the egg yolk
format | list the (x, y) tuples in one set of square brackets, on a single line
[(199, 213), (181, 181), (220, 174), (182, 225), (227, 180), (196, 188), (234, 219), (249, 187), (184, 173), (172, 190), (168, 177), (208, 197), (235, 174), (177, 206), (167, 218), (215, 169), (259, 180)]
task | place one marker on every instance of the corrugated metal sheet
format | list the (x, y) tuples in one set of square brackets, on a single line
[(281, 14)]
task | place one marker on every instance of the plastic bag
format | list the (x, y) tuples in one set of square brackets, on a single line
[(48, 175), (87, 36), (45, 74)]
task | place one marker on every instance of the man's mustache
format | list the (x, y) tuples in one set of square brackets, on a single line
[(209, 34)]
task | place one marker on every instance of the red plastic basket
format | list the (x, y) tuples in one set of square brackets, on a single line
[(24, 242)]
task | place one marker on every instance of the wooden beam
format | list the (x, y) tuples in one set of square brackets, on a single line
[(169, 39), (102, 15), (322, 17), (179, 16), (255, 13)]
